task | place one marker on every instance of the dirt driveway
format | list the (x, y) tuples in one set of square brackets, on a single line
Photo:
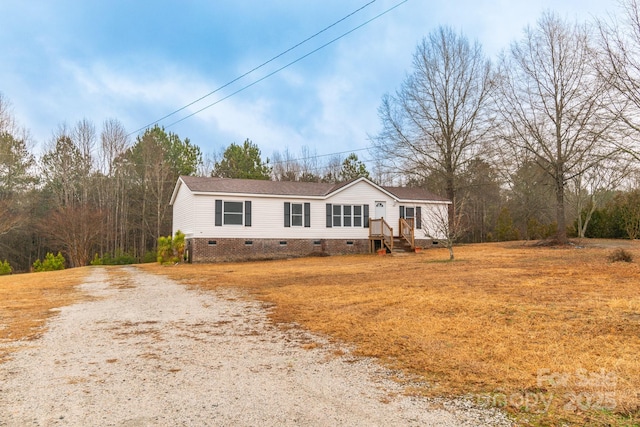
[(150, 352)]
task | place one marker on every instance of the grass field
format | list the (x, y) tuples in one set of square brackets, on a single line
[(551, 335), (27, 300)]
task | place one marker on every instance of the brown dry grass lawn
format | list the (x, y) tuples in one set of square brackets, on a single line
[(550, 334), (27, 300)]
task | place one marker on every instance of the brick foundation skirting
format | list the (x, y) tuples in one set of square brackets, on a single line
[(428, 243), (216, 250)]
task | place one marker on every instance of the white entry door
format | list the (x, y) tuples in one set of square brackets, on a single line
[(381, 210)]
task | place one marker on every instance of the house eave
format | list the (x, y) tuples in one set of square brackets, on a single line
[(179, 183), (257, 195), (423, 201)]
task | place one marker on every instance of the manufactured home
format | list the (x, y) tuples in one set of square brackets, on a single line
[(239, 219)]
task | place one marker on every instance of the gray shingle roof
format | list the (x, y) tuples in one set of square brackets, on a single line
[(414, 193), (256, 186), (290, 188)]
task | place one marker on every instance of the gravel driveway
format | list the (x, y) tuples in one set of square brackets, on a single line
[(155, 353)]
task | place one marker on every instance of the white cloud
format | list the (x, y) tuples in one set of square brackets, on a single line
[(327, 101)]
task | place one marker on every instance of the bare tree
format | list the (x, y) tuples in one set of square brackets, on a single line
[(436, 121), (332, 169), (437, 225), (285, 166), (620, 65), (84, 135), (113, 143), (208, 163), (553, 104), (111, 194), (309, 165), (76, 229)]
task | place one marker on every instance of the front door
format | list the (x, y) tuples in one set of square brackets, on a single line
[(381, 210)]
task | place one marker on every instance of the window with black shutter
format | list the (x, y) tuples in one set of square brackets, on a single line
[(337, 215), (232, 213)]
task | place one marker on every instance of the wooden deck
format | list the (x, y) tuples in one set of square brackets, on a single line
[(381, 234)]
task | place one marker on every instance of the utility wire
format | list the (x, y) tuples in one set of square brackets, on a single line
[(288, 65), (316, 156), (253, 69)]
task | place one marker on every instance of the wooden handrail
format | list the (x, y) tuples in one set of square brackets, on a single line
[(406, 231), (379, 229)]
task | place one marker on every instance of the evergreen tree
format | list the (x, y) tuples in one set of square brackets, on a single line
[(242, 161)]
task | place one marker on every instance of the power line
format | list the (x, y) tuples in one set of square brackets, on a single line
[(254, 69), (318, 156), (288, 65)]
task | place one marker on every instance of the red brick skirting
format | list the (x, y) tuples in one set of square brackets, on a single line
[(216, 250)]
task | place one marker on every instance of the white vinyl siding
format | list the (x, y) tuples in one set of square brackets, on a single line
[(183, 207), (267, 215)]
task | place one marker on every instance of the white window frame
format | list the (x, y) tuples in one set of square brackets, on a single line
[(337, 217), (358, 216), (299, 216), (225, 213), (345, 219)]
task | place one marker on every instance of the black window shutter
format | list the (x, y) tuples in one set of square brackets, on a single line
[(402, 212), (365, 213), (307, 214), (218, 213), (247, 214), (329, 215), (287, 214), (418, 217)]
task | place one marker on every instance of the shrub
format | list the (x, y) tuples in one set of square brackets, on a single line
[(151, 256), (5, 268), (120, 258), (179, 244), (504, 227), (164, 249), (97, 260), (171, 250), (620, 255), (50, 263)]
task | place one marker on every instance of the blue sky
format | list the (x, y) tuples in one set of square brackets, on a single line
[(65, 60)]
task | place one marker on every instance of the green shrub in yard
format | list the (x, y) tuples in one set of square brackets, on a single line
[(150, 256), (164, 249), (119, 258), (5, 268), (171, 249), (50, 263)]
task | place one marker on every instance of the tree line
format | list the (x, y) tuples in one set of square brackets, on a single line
[(98, 197), (530, 146), (89, 194), (542, 142)]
